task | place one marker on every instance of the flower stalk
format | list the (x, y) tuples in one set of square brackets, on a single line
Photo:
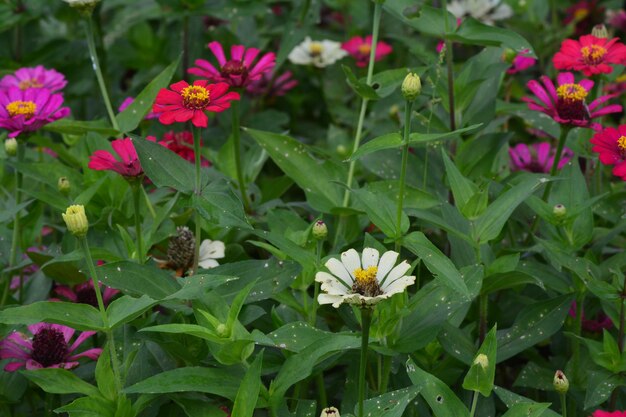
[(405, 159), (135, 185), (474, 403), (236, 132), (197, 139), (449, 65), (366, 321)]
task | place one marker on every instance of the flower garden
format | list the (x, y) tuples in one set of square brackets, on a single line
[(297, 208)]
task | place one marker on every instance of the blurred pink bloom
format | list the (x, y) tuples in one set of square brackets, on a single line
[(49, 347), (537, 157), (37, 77), (129, 165), (600, 413), (267, 86), (128, 101), (84, 293), (521, 62), (239, 70), (616, 19), (30, 269), (182, 144), (360, 49), (596, 325), (28, 110)]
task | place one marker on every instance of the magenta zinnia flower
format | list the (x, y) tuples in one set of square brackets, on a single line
[(37, 77), (566, 103), (610, 144), (49, 347), (537, 157), (129, 165), (28, 110), (590, 55), (600, 413), (595, 325), (267, 85), (128, 101), (360, 49), (84, 293), (521, 62), (239, 70)]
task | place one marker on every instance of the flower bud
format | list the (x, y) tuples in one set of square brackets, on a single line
[(509, 55), (330, 412), (482, 360), (599, 31), (411, 86), (559, 211), (320, 231), (76, 220), (64, 185), (222, 330), (84, 7), (342, 150), (10, 146), (561, 384)]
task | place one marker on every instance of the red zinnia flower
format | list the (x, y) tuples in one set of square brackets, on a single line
[(566, 103), (128, 167), (360, 49), (189, 102), (238, 71), (600, 413), (590, 55), (610, 144), (182, 144)]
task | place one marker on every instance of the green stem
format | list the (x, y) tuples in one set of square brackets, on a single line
[(237, 152), (136, 189), (321, 389), (185, 41), (563, 404), (483, 305), (449, 66), (148, 202), (366, 321), (103, 313), (405, 159), (386, 371), (580, 300), (620, 340), (197, 141), (96, 67), (474, 403), (316, 285)]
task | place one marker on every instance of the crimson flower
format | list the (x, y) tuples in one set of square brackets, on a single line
[(610, 144), (129, 166), (600, 413), (181, 143), (566, 103), (48, 348), (360, 49), (596, 325), (84, 293), (186, 102), (537, 157), (239, 70), (590, 55), (28, 110), (267, 85)]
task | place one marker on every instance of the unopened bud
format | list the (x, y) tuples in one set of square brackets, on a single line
[(559, 211), (320, 231), (76, 220), (330, 412), (222, 330), (509, 56), (482, 360), (411, 86), (342, 150), (599, 31), (64, 186), (10, 146), (561, 384)]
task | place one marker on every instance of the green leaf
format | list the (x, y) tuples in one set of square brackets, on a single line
[(294, 337), (248, 393), (89, 407), (190, 329), (600, 385), (428, 20), (105, 378), (127, 308), (135, 279), (473, 32), (365, 91), (381, 210), (439, 397), (511, 399), (220, 206), (59, 268), (462, 188), (437, 263), (78, 127), (316, 178), (129, 119), (391, 404), (179, 173), (221, 382), (60, 381), (77, 316), (196, 286), (527, 410), (481, 375)]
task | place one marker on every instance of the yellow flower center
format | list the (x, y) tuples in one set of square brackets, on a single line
[(32, 83), (593, 54), (315, 48), (365, 282), (365, 48), (195, 97), (366, 276), (26, 108), (571, 92), (621, 143)]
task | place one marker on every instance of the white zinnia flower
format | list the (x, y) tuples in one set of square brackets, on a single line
[(210, 250), (487, 11), (330, 412), (364, 280), (81, 3), (318, 53)]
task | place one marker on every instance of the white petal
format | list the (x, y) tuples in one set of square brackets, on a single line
[(395, 273), (208, 263), (351, 261), (339, 270), (399, 285), (335, 300), (504, 11), (334, 287), (212, 249), (369, 257), (387, 261)]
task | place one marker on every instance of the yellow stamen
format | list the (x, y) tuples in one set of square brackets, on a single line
[(593, 53), (365, 48), (27, 108), (32, 83), (195, 97), (571, 92), (621, 78), (621, 142), (315, 48), (365, 276)]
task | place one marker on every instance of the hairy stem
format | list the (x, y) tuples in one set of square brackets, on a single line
[(237, 152)]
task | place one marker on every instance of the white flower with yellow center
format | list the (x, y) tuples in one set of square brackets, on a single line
[(318, 53), (363, 280), (487, 11)]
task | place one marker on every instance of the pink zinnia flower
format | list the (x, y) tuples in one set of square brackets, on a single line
[(29, 270), (268, 86), (37, 77), (590, 55), (239, 70), (521, 62), (49, 347), (360, 49), (181, 143), (566, 103), (537, 157), (617, 19), (128, 101), (600, 413), (129, 165), (84, 293), (28, 110), (186, 102), (596, 325), (610, 144)]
